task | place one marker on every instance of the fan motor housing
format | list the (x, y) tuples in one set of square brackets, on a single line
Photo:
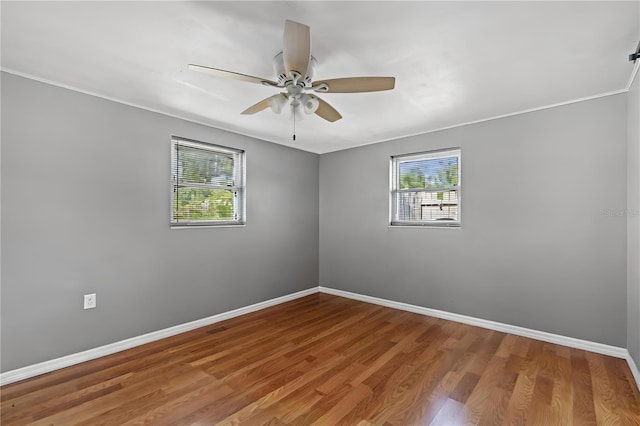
[(281, 73)]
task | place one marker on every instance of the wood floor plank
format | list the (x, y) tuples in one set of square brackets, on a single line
[(562, 398), (333, 414), (495, 408), (583, 401), (328, 360), (520, 400), (605, 400), (486, 386)]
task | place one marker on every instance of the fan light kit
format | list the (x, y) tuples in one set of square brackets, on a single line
[(295, 68)]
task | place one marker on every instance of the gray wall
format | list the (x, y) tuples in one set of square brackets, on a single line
[(85, 208), (556, 261), (633, 223)]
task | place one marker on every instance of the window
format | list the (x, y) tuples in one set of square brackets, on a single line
[(207, 184), (425, 189)]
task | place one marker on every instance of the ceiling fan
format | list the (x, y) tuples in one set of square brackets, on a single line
[(295, 67)]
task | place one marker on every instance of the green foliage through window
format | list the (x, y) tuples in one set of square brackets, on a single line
[(203, 204)]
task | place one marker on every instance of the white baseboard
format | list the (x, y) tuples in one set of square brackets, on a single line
[(634, 369), (69, 360), (492, 325), (66, 361)]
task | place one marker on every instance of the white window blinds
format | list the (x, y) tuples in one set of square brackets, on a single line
[(207, 184), (425, 189)]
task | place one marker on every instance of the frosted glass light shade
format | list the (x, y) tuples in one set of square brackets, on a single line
[(277, 102)]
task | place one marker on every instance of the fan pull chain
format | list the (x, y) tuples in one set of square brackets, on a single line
[(294, 125)]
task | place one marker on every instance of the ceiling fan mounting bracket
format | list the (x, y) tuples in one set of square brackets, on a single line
[(321, 88)]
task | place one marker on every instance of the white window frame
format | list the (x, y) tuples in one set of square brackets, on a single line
[(239, 188), (394, 201)]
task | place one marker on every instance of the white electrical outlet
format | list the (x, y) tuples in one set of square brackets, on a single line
[(90, 301)]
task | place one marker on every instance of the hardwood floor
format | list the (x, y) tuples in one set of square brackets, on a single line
[(327, 360)]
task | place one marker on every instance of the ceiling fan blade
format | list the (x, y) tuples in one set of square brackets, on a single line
[(355, 84), (263, 104), (326, 111), (296, 51), (230, 74)]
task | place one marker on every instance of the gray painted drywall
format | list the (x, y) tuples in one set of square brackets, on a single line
[(540, 246), (633, 223), (554, 259), (85, 208)]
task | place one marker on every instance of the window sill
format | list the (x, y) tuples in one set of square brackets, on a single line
[(226, 225), (425, 225)]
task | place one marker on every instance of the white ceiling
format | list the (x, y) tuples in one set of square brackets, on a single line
[(454, 62)]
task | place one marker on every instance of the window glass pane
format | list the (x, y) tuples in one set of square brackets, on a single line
[(203, 204), (203, 166), (207, 184), (427, 206), (433, 173)]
